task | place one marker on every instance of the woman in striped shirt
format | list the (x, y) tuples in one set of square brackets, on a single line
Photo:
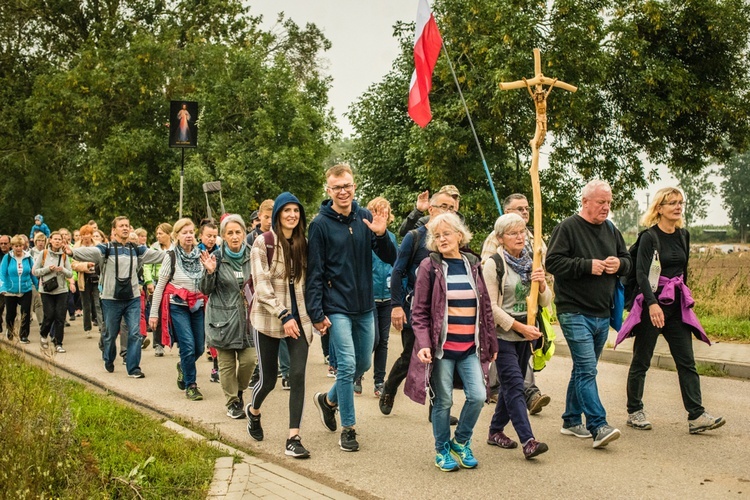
[(454, 333)]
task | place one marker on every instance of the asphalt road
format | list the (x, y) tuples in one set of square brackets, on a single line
[(396, 459)]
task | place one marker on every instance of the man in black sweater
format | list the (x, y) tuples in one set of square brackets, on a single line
[(586, 254)]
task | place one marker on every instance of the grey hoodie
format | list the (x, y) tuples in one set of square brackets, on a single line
[(141, 255), (42, 270)]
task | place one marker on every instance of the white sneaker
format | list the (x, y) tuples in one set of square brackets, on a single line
[(60, 349), (638, 420), (578, 431), (44, 341), (705, 422)]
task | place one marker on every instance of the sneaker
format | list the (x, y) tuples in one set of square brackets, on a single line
[(378, 390), (533, 448), (25, 341), (463, 455), (444, 460), (638, 420), (137, 373), (253, 381), (67, 324), (605, 435), (110, 367), (325, 360), (158, 351), (88, 334), (501, 440), (180, 377), (386, 403), (358, 386), (44, 341), (285, 383), (348, 439), (145, 343), (234, 410), (214, 376), (253, 425), (326, 411), (537, 402), (209, 357), (705, 423), (193, 393), (60, 349), (331, 372), (295, 449), (578, 431)]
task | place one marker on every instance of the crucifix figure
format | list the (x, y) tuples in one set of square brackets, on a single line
[(539, 96)]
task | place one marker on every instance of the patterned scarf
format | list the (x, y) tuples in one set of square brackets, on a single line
[(520, 265), (189, 262)]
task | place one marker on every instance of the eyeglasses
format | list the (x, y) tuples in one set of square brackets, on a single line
[(526, 209), (345, 187), (443, 235), (674, 203), (515, 234), (445, 208)]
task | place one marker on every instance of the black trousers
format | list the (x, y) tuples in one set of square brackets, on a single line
[(11, 305), (92, 307), (401, 366), (680, 341), (55, 307), (268, 361)]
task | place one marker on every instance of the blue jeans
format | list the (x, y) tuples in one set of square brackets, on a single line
[(114, 312), (352, 337), (470, 371), (586, 336), (190, 333)]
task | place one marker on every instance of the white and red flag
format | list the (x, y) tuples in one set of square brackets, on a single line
[(427, 44)]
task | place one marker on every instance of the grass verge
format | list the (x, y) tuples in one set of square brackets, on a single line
[(59, 440), (709, 370)]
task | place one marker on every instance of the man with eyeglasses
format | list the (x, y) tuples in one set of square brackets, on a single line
[(339, 291), (586, 255), (518, 204), (416, 217)]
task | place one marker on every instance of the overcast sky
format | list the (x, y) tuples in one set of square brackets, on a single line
[(363, 48)]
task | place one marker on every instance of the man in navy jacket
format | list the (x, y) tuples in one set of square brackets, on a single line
[(339, 292)]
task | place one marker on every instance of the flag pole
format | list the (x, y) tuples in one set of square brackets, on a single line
[(473, 130)]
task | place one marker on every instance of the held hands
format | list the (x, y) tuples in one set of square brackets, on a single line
[(379, 221), (398, 318), (657, 315), (423, 201), (291, 329), (322, 327), (424, 355), (538, 276), (209, 262)]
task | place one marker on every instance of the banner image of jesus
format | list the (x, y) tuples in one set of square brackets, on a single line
[(183, 132)]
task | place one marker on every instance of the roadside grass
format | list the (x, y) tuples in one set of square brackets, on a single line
[(59, 440), (710, 370)]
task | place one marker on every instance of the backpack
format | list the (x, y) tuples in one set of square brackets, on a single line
[(629, 281), (249, 287)]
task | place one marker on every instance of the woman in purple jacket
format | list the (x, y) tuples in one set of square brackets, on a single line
[(454, 333)]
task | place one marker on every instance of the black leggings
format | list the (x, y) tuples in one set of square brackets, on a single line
[(268, 361), (54, 314), (12, 304)]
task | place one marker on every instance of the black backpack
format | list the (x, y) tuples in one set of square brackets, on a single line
[(629, 281)]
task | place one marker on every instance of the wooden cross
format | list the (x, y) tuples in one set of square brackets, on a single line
[(539, 96)]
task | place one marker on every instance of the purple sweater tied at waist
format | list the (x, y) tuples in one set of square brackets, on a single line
[(666, 297)]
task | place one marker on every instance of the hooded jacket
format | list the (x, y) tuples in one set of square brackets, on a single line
[(38, 228), (42, 270), (11, 281), (339, 263)]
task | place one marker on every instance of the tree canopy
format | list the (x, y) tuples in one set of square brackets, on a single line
[(85, 90), (665, 82)]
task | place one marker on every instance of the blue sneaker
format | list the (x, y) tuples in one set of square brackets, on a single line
[(444, 460), (463, 454)]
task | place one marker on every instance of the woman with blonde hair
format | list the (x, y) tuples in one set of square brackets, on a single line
[(664, 305), (181, 302), (453, 332), (16, 284)]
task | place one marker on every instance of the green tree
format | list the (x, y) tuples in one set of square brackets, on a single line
[(619, 113), (698, 190), (735, 191), (627, 217)]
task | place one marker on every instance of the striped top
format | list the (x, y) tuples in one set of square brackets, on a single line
[(462, 312)]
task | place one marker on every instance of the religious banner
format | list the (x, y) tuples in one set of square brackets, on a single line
[(182, 130)]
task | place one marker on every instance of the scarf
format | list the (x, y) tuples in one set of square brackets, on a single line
[(235, 258), (189, 262), (521, 265)]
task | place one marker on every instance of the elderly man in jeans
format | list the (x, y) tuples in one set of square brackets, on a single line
[(586, 254)]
